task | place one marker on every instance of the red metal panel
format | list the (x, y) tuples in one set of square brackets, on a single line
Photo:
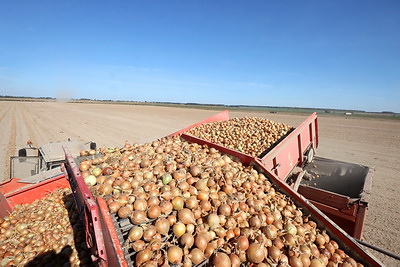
[(88, 209), (222, 116), (360, 219), (322, 196), (19, 193), (115, 253), (286, 153), (5, 207)]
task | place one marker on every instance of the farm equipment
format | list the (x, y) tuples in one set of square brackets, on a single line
[(33, 164), (105, 232), (337, 188)]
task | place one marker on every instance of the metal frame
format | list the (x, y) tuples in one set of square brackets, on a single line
[(88, 210), (290, 151)]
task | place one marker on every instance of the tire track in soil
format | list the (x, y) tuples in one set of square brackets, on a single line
[(4, 110), (4, 137), (27, 122), (39, 125), (11, 148)]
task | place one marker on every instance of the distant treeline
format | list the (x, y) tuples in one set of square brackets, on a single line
[(272, 109)]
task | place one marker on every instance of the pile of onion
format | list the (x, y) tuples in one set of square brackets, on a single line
[(189, 204), (249, 135), (46, 232)]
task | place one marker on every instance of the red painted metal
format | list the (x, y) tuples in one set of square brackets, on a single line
[(13, 192), (88, 210), (222, 116), (346, 207), (288, 153), (115, 253)]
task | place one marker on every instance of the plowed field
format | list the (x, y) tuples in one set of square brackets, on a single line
[(371, 142)]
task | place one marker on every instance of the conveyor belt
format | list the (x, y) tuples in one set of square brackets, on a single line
[(122, 227)]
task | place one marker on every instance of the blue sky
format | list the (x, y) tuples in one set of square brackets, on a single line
[(331, 54)]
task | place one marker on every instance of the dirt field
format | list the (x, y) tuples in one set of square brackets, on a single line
[(371, 142)]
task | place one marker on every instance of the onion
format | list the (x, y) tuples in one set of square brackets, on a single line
[(291, 228), (235, 260), (221, 260), (186, 240), (105, 189), (320, 240), (197, 256), (201, 184), (114, 206), (124, 212), (143, 256), (224, 209), (138, 217), (149, 232), (194, 170), (213, 220), (138, 245), (186, 216), (154, 212), (166, 207), (162, 226), (191, 203), (179, 229), (97, 171), (84, 166), (135, 233), (205, 205), (316, 262), (90, 180), (242, 243), (270, 231), (274, 252), (201, 241), (166, 178), (256, 253), (174, 254), (177, 203), (140, 204)]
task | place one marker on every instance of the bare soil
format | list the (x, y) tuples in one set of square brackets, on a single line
[(367, 141)]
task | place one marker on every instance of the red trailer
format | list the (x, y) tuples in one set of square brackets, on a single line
[(115, 230), (19, 191), (297, 149)]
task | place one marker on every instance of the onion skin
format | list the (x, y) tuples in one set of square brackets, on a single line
[(186, 216), (197, 256), (201, 241), (186, 240), (174, 254), (179, 229), (256, 253), (221, 260), (135, 233), (143, 256)]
